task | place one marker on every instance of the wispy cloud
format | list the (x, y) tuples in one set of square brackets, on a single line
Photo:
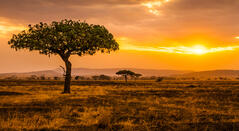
[(125, 44), (196, 50), (153, 5), (7, 27)]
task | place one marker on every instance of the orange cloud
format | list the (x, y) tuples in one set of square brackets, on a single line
[(7, 27), (153, 5), (194, 49)]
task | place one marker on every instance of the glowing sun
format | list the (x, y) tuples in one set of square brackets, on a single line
[(198, 49)]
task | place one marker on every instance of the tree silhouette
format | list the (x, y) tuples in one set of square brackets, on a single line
[(101, 77), (56, 78), (77, 77), (125, 73), (65, 38), (104, 77), (159, 79), (137, 75)]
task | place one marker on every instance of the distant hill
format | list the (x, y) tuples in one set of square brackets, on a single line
[(49, 73), (91, 72), (111, 72), (213, 73)]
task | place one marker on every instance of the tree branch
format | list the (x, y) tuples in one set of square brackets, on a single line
[(64, 70)]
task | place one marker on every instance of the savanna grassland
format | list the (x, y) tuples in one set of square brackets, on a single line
[(113, 105)]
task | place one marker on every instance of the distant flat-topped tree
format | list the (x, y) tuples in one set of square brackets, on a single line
[(125, 73), (65, 38)]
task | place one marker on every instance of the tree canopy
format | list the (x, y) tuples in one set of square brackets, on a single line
[(125, 72), (65, 38)]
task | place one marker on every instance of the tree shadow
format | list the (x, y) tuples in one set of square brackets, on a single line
[(8, 93)]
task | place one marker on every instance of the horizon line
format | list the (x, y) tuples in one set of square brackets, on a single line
[(120, 68)]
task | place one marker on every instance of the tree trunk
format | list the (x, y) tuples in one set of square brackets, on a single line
[(67, 77), (125, 78)]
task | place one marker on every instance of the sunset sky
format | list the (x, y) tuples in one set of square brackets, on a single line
[(153, 34)]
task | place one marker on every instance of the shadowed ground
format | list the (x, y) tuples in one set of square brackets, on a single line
[(112, 105), (7, 93)]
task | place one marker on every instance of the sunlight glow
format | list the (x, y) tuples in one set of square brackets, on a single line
[(6, 27), (237, 37), (152, 6), (194, 50), (197, 49)]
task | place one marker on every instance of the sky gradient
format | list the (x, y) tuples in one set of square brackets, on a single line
[(155, 34)]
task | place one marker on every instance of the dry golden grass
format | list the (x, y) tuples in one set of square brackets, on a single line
[(141, 105)]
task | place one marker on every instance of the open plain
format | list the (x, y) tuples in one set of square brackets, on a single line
[(114, 105)]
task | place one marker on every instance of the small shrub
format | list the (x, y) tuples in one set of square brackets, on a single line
[(56, 78), (159, 79), (77, 77), (42, 77)]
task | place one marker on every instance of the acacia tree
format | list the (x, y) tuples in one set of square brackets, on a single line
[(65, 38), (125, 73)]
